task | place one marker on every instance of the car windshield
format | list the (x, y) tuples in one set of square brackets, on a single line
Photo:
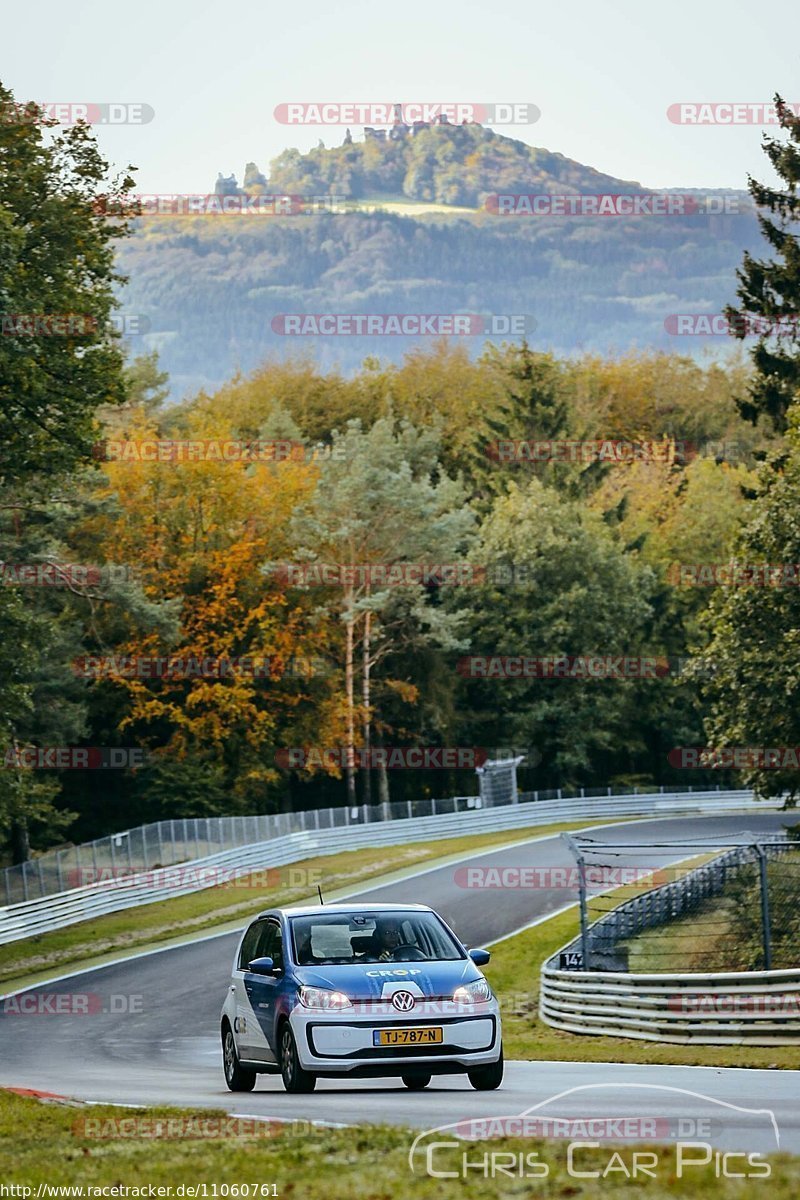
[(363, 937)]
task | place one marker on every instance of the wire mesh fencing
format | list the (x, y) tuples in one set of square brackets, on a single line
[(687, 906), (184, 839)]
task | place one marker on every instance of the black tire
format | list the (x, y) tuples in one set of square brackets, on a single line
[(237, 1077), (416, 1082), (486, 1079), (295, 1079)]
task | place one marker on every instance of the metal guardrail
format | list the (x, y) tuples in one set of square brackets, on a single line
[(760, 1008), (36, 916), (184, 839)]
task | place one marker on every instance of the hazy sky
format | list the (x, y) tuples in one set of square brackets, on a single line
[(603, 74)]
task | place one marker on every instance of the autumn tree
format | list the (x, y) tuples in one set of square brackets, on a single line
[(381, 501), (198, 532)]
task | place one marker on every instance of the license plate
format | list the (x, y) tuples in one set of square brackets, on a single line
[(407, 1037)]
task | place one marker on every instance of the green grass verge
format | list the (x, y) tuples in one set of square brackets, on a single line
[(46, 1144), (234, 904), (691, 941), (514, 975), (725, 933)]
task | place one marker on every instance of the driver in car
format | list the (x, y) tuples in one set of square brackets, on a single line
[(387, 937)]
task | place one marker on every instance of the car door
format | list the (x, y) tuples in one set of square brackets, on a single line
[(246, 1027), (262, 993)]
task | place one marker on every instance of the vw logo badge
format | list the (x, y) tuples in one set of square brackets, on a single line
[(403, 1001)]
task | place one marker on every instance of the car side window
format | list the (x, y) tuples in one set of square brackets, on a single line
[(276, 944), (251, 942)]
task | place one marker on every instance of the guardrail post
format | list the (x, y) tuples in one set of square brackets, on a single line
[(573, 845), (765, 922)]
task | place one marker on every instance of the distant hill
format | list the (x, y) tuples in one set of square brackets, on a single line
[(211, 287), (445, 164)]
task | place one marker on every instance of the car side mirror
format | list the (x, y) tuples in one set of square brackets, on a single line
[(479, 957), (262, 966)]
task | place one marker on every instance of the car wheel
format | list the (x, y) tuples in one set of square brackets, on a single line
[(486, 1079), (295, 1079), (416, 1082), (237, 1077)]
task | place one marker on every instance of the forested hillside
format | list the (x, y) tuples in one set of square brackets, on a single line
[(211, 287), (447, 164)]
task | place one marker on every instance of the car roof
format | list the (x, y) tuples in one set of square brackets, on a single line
[(309, 910)]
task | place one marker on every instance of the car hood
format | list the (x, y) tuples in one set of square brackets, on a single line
[(368, 981)]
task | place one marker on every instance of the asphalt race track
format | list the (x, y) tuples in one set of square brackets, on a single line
[(167, 1050)]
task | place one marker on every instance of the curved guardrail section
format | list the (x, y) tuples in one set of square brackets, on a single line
[(35, 916), (759, 1008)]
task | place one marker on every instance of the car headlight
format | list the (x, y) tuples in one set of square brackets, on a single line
[(314, 997), (472, 993)]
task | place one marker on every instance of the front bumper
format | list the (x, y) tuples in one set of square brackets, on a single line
[(342, 1042)]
